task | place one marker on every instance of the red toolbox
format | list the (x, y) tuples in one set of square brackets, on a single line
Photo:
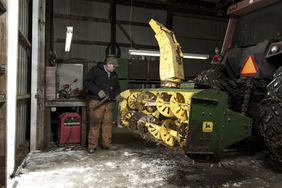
[(69, 128)]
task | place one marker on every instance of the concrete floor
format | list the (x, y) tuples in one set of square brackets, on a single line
[(140, 164)]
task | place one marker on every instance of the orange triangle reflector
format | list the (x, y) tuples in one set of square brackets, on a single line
[(250, 67)]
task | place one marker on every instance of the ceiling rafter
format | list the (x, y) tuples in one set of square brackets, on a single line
[(183, 6)]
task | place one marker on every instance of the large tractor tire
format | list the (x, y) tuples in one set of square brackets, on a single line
[(274, 88), (217, 78), (271, 127), (209, 77), (271, 116)]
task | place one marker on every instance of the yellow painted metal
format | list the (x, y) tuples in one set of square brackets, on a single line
[(174, 108), (156, 114), (154, 130), (171, 65), (122, 111), (168, 132), (163, 104), (131, 100), (125, 94), (169, 124), (151, 125), (142, 110), (168, 136), (123, 105), (146, 102), (125, 118), (180, 104)]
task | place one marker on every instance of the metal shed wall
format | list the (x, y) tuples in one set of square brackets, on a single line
[(200, 35), (23, 75), (92, 31)]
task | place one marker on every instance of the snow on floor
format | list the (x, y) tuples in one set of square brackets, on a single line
[(140, 164), (76, 168)]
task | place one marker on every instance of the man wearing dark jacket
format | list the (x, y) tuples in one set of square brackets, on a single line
[(101, 82)]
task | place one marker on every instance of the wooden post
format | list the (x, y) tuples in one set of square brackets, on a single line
[(12, 69), (37, 127), (3, 63)]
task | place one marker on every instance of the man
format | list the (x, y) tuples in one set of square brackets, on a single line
[(102, 84)]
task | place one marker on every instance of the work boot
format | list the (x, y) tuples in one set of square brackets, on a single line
[(110, 147), (91, 150)]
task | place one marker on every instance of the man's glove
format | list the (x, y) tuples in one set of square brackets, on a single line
[(118, 98), (101, 94)]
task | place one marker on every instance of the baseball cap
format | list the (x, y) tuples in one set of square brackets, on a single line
[(111, 59)]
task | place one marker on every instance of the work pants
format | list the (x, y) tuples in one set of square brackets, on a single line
[(100, 117)]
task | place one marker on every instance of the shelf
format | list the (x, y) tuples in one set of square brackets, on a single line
[(66, 103), (23, 97), (2, 7)]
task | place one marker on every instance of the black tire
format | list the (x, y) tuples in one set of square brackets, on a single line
[(271, 127), (217, 78), (271, 116), (274, 88), (209, 77), (278, 73)]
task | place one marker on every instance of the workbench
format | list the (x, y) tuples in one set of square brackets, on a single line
[(79, 103)]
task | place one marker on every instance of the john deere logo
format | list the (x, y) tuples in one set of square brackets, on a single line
[(207, 126)]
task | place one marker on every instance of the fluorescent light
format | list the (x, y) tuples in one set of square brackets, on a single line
[(195, 56), (144, 53), (153, 53), (68, 38)]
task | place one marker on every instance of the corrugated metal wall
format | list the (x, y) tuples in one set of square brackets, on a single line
[(23, 75), (200, 35), (139, 34), (83, 30), (195, 34)]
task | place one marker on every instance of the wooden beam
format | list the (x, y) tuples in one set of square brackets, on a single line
[(95, 19), (11, 104), (183, 6), (23, 97), (3, 62), (24, 41), (228, 35), (37, 127), (246, 6)]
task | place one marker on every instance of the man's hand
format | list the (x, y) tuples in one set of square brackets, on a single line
[(101, 94)]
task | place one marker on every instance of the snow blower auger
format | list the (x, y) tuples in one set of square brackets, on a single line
[(195, 121)]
